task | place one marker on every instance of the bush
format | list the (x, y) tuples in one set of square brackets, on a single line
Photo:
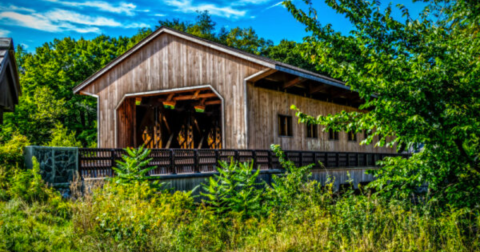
[(235, 190), (61, 138), (286, 189), (33, 217), (134, 166), (11, 153), (130, 216), (28, 185)]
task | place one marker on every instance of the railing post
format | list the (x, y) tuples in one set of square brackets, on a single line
[(337, 157), (172, 162), (217, 158), (237, 156), (348, 160), (112, 161), (270, 165), (300, 158), (196, 168), (254, 156)]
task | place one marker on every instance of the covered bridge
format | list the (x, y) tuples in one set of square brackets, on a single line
[(175, 90), (9, 83)]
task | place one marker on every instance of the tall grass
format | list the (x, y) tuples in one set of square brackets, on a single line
[(139, 217)]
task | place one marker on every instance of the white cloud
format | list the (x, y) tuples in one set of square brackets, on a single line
[(159, 15), (137, 25), (15, 8), (62, 20), (25, 46), (34, 21), (187, 6), (76, 18), (49, 23), (87, 30), (247, 2), (275, 5), (4, 33), (127, 8)]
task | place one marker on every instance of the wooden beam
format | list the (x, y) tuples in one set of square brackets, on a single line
[(170, 96), (166, 124), (294, 82), (318, 89), (192, 97), (337, 93), (262, 76), (169, 141), (215, 102), (195, 95)]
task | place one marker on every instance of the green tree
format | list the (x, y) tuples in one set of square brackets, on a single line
[(47, 78), (35, 116), (419, 78), (289, 52), (244, 39), (61, 138)]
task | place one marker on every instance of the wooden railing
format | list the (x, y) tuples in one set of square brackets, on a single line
[(99, 162)]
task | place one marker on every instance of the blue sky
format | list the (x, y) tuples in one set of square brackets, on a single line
[(34, 22)]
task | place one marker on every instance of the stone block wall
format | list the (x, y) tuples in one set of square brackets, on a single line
[(57, 164)]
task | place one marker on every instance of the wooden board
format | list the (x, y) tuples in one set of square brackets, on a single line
[(264, 107)]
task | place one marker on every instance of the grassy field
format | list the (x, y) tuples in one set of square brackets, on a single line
[(294, 215)]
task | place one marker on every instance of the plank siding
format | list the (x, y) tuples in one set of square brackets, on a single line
[(264, 107), (169, 62)]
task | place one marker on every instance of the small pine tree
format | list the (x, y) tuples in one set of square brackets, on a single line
[(61, 138)]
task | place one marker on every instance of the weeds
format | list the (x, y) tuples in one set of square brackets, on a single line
[(294, 214)]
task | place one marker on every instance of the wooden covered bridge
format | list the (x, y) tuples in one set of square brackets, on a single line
[(175, 90)]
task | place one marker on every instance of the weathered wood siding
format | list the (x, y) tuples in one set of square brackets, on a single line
[(264, 107), (170, 62)]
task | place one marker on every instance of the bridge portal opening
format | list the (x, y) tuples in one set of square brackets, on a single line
[(185, 119)]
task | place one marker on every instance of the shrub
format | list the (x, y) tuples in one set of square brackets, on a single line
[(134, 166), (287, 187), (130, 216), (11, 153), (28, 184), (33, 217), (61, 138), (5, 175), (235, 190)]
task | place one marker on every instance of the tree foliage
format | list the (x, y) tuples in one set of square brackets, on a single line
[(62, 138), (419, 78), (245, 39), (47, 78)]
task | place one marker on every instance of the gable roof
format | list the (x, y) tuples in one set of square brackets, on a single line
[(264, 61), (7, 57)]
